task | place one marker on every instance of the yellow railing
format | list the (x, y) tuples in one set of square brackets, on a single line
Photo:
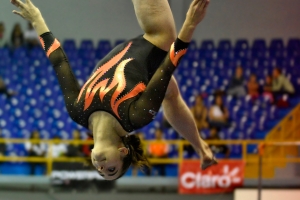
[(287, 129), (250, 160)]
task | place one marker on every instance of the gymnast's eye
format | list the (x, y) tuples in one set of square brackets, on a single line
[(111, 169)]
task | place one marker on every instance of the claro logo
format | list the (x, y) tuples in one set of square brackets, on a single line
[(191, 180)]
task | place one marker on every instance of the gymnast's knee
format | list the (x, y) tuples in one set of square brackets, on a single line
[(172, 91)]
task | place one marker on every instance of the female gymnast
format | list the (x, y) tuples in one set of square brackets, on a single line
[(129, 85)]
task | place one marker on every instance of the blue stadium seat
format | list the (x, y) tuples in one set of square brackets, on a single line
[(86, 45), (241, 44), (69, 45), (207, 45), (277, 44), (259, 44), (203, 69), (104, 45)]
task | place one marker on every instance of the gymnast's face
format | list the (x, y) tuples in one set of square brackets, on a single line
[(109, 161)]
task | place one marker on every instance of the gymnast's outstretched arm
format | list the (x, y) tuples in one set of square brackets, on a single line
[(68, 83), (151, 99), (175, 109)]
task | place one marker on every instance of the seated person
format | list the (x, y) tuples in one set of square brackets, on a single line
[(253, 87), (217, 148), (218, 114), (2, 146), (236, 85), (35, 150), (159, 149), (3, 89), (17, 36), (58, 150), (75, 150), (3, 42), (199, 112), (31, 38), (87, 148), (267, 89), (281, 84)]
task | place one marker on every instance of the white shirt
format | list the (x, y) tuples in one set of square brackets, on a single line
[(38, 149), (58, 150), (217, 112), (30, 35)]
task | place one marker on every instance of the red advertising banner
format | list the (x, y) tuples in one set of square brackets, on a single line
[(224, 177)]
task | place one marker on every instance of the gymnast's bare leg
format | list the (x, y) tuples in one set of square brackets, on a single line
[(156, 19)]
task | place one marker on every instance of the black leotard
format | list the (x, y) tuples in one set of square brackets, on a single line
[(129, 83)]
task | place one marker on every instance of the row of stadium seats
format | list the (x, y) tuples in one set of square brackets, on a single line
[(39, 102)]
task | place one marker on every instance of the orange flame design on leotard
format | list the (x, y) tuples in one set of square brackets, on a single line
[(118, 80), (176, 56)]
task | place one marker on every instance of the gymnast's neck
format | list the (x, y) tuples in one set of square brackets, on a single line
[(104, 126)]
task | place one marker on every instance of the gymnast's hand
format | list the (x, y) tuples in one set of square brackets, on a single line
[(196, 12), (31, 13), (27, 10)]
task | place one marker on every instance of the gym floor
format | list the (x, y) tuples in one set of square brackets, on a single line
[(20, 195)]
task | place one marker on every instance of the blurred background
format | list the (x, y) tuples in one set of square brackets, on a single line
[(240, 79)]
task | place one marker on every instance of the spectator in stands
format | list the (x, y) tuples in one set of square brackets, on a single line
[(236, 85), (159, 149), (3, 89), (2, 148), (87, 148), (199, 112), (30, 36), (75, 149), (17, 37), (3, 42), (267, 89), (281, 84), (58, 149), (217, 148), (2, 145), (253, 87), (35, 150), (218, 114)]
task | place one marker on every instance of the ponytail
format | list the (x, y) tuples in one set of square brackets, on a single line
[(136, 155)]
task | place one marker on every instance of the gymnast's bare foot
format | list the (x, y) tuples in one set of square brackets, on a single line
[(207, 158)]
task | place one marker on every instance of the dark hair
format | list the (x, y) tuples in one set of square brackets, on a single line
[(222, 107), (135, 156), (33, 132), (252, 74), (278, 70)]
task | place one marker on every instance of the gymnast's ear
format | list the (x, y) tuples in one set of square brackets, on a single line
[(124, 151)]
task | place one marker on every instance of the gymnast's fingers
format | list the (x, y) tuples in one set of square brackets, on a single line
[(194, 3), (207, 3), (204, 4), (17, 3), (29, 2), (18, 13)]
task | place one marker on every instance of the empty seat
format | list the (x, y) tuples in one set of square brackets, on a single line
[(207, 45), (241, 44), (259, 44), (224, 45), (87, 45), (104, 45), (277, 44), (69, 44)]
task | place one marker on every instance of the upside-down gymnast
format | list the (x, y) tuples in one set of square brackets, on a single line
[(128, 86)]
